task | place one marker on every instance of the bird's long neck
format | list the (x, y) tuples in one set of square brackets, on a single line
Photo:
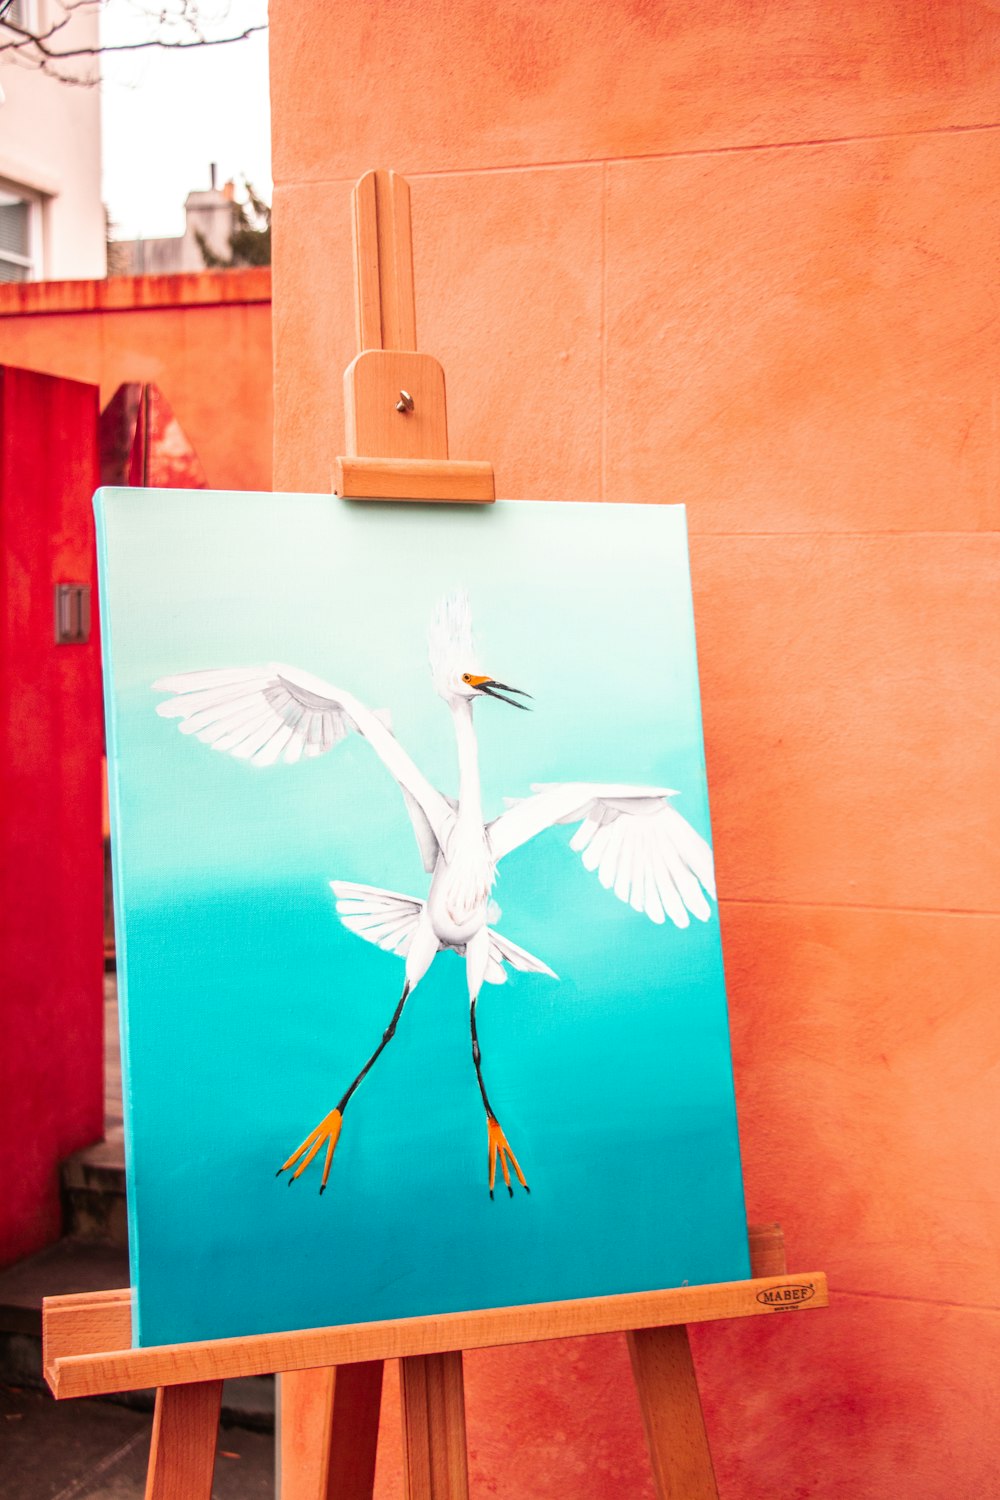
[(470, 806)]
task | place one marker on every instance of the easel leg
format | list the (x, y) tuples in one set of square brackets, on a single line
[(185, 1433), (671, 1414), (433, 1395), (329, 1432)]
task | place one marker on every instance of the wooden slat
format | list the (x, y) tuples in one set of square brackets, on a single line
[(414, 479), (85, 1323), (433, 1409), (92, 1373), (329, 1432), (373, 385), (388, 365), (185, 1434), (305, 1400), (383, 262), (671, 1414), (767, 1250), (357, 1400)]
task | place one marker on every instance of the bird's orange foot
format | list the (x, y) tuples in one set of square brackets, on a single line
[(327, 1133), (498, 1147)]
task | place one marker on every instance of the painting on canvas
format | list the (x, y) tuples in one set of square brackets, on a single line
[(422, 996)]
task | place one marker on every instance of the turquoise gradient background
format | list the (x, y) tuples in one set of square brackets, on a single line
[(247, 1007)]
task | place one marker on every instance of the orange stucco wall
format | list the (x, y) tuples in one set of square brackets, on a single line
[(204, 339), (741, 255)]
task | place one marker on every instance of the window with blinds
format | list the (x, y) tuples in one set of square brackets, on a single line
[(16, 262), (20, 13)]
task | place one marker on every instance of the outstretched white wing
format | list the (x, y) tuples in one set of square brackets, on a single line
[(384, 918), (503, 951), (640, 846), (271, 713)]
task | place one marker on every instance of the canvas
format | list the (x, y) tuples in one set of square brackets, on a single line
[(422, 995)]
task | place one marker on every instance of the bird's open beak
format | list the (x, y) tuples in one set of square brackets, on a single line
[(497, 689)]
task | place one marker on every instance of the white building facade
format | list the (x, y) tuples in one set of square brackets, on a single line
[(52, 223)]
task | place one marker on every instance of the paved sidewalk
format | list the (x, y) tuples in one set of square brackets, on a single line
[(96, 1450)]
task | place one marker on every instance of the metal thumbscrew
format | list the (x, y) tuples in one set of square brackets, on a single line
[(405, 402)]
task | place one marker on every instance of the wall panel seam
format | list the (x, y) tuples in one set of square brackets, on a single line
[(986, 1307), (583, 162), (987, 913)]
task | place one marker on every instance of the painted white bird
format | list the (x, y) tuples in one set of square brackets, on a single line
[(638, 844)]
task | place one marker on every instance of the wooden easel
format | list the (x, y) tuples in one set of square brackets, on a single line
[(331, 1385)]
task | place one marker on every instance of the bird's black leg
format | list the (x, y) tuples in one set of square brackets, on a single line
[(387, 1036), (477, 1056), (497, 1141), (327, 1132)]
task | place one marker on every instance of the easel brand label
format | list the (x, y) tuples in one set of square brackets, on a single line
[(784, 1298)]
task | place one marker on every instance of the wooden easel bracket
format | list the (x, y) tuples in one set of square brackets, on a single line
[(329, 1432), (395, 413), (397, 449), (332, 1381), (427, 479)]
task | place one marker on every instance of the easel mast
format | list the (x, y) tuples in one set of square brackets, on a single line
[(395, 417), (331, 1378)]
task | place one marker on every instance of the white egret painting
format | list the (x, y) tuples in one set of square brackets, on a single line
[(399, 932)]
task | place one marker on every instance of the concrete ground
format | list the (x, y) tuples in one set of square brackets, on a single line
[(95, 1450)]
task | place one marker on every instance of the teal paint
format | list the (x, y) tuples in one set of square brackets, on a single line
[(247, 1007)]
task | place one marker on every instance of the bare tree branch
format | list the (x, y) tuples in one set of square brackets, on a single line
[(33, 49), (201, 41)]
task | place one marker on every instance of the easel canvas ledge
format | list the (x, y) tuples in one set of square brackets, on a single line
[(87, 1339)]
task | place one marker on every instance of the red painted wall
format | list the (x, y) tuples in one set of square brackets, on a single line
[(740, 255), (51, 866), (204, 340)]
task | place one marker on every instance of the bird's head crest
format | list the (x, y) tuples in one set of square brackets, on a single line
[(453, 657), (450, 644)]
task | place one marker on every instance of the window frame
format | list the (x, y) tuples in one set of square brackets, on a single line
[(28, 17), (32, 261)]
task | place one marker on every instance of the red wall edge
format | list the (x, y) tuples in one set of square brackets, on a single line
[(51, 735)]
